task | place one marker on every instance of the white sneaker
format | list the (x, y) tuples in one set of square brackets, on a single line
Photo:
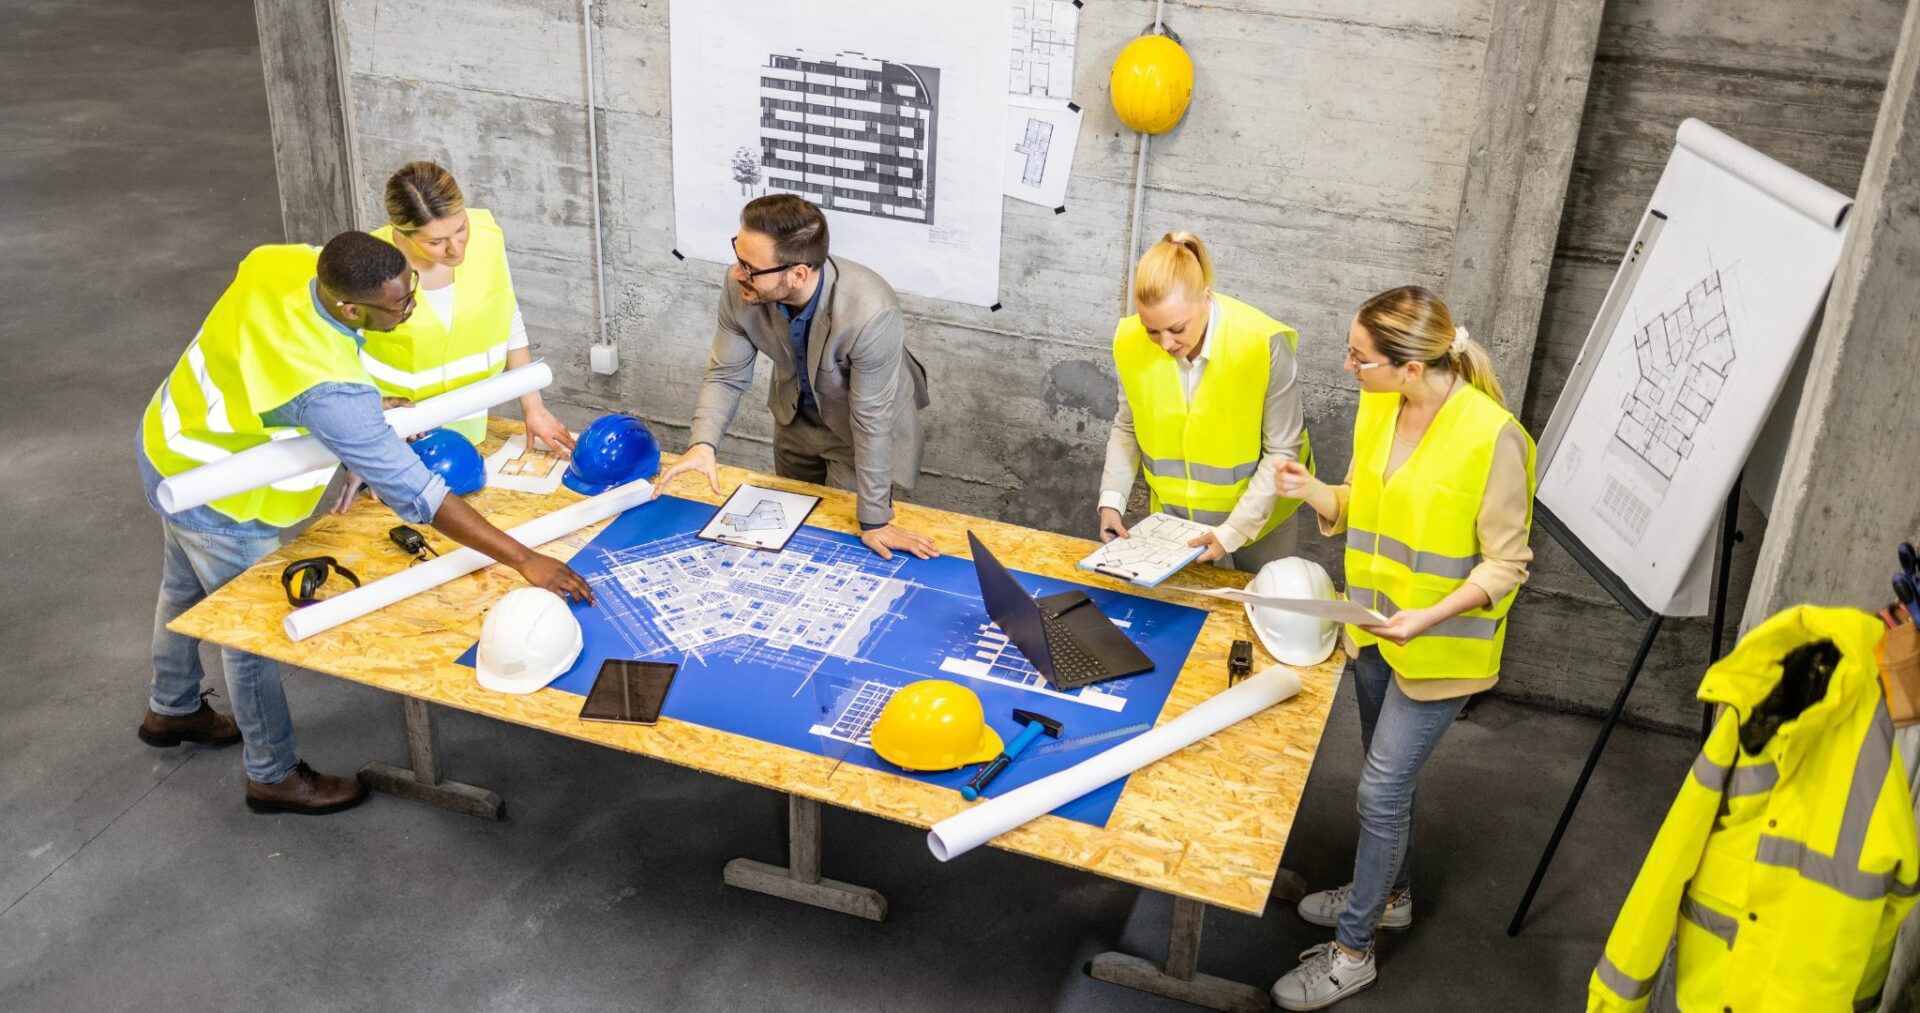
[(1325, 976), (1326, 907)]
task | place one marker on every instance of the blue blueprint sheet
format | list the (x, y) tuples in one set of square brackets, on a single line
[(802, 647)]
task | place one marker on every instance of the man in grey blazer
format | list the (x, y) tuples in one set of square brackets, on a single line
[(851, 418)]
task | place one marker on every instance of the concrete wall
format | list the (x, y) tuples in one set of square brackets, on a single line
[(1323, 158)]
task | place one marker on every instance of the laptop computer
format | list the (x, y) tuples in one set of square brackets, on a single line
[(1066, 636)]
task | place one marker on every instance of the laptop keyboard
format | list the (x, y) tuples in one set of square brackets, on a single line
[(1071, 665)]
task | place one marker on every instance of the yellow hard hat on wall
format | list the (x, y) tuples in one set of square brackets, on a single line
[(1152, 83), (934, 725)]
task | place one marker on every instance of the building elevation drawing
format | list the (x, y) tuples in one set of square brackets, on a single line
[(851, 132)]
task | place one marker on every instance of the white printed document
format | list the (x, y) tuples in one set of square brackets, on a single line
[(515, 467), (1155, 550), (756, 518), (1339, 610)]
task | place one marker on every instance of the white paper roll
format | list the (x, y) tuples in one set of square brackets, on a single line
[(957, 835), (325, 615), (280, 460), (1808, 196)]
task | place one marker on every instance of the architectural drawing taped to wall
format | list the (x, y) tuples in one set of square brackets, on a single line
[(1041, 62), (1040, 138), (851, 133), (886, 114), (1033, 150)]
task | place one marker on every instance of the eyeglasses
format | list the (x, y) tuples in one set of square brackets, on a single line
[(748, 268), (1361, 365), (406, 305)]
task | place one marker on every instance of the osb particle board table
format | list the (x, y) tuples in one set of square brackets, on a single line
[(1206, 825)]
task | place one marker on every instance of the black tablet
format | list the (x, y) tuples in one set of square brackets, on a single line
[(629, 692)]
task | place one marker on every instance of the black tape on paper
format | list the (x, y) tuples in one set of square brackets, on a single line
[(1075, 106), (677, 255), (1061, 210), (995, 308)]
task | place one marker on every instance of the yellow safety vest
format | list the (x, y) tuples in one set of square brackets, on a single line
[(1780, 877), (1413, 539), (1198, 458), (263, 344), (422, 357)]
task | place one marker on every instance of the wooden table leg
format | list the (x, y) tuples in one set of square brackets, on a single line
[(1179, 977), (801, 879), (423, 783)]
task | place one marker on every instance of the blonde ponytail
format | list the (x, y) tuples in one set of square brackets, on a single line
[(1411, 324), (1179, 262)]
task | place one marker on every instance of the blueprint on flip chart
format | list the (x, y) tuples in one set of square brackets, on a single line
[(801, 648)]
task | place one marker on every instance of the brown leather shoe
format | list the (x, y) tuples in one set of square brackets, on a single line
[(305, 791), (204, 725)]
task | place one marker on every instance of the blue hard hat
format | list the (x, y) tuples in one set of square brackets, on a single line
[(450, 455), (612, 450)]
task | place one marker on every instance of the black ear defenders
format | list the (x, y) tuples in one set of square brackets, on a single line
[(313, 574)]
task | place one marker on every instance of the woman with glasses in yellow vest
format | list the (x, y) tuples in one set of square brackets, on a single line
[(1436, 509), (1208, 408), (468, 325)]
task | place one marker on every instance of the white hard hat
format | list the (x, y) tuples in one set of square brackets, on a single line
[(1289, 636), (528, 639)]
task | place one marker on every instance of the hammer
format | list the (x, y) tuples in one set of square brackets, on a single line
[(1036, 726)]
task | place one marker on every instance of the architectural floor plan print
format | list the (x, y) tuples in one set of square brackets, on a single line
[(1155, 549), (764, 515), (802, 647), (1041, 63), (1684, 356)]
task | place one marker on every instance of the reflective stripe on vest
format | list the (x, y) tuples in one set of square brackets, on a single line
[(1198, 458), (423, 357), (1413, 538), (262, 344)]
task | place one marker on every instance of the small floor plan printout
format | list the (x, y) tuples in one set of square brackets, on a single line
[(756, 518), (1155, 549)]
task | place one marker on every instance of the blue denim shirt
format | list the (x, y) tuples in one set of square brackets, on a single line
[(797, 326), (347, 418)]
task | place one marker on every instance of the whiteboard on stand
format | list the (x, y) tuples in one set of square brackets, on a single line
[(1692, 347)]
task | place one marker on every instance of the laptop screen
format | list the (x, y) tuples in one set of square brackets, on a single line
[(1011, 607)]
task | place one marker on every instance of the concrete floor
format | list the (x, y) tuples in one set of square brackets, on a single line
[(135, 170)]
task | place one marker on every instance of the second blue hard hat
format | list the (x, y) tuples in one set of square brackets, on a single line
[(612, 450), (448, 454)]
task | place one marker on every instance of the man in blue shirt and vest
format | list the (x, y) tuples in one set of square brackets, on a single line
[(279, 352)]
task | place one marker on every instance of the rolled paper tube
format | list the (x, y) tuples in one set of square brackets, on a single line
[(279, 460), (957, 835), (325, 615)]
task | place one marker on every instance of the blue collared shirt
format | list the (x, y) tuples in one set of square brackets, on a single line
[(348, 419), (797, 326)]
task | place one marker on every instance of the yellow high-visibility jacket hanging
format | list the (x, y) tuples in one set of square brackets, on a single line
[(1781, 875), (424, 356)]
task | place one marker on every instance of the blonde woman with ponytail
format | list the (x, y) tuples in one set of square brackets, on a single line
[(467, 326), (1208, 409), (1436, 511)]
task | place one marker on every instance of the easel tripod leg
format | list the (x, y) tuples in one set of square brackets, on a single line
[(1586, 772)]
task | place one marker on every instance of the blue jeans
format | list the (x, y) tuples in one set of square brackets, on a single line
[(1398, 735), (194, 565)]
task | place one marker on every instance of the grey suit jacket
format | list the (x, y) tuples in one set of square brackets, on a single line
[(868, 387)]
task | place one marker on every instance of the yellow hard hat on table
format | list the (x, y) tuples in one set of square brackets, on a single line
[(934, 725), (1152, 83)]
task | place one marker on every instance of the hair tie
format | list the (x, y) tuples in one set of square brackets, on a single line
[(1459, 344)]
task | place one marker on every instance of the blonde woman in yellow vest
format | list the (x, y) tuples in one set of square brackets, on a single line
[(1436, 510), (468, 326), (1208, 408)]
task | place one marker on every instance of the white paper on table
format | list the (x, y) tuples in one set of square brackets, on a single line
[(297, 456), (1339, 611), (325, 615), (515, 467), (1155, 548), (756, 518), (957, 835), (1041, 136)]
